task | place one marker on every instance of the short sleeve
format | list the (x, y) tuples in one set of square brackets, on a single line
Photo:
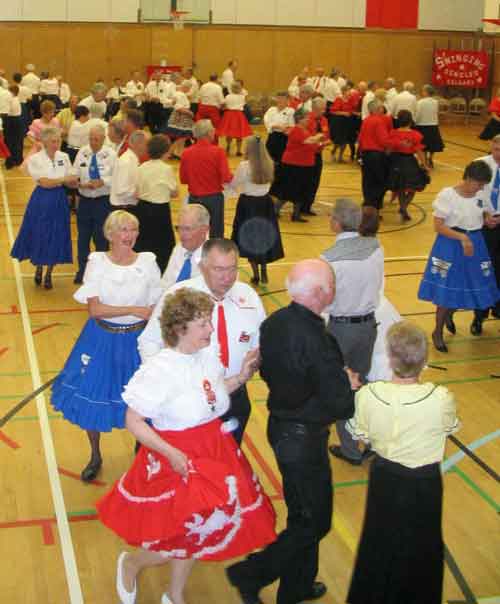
[(35, 167), (441, 205), (451, 423), (171, 179), (92, 279), (155, 287), (358, 425), (147, 391)]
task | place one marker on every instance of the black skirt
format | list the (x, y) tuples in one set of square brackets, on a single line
[(341, 129), (294, 183), (276, 145), (491, 129), (432, 141), (400, 556), (156, 233), (405, 174), (256, 231)]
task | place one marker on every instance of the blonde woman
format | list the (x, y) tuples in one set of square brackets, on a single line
[(255, 227), (120, 288)]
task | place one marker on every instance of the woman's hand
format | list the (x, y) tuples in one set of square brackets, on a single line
[(179, 462), (250, 364), (143, 312), (353, 379), (468, 246), (70, 181)]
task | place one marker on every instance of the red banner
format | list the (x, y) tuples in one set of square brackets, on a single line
[(465, 68), (392, 14)]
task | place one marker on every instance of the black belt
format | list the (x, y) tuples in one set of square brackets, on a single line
[(120, 328), (300, 427), (360, 319), (459, 230), (98, 198)]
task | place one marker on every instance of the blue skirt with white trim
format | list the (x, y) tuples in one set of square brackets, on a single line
[(88, 391), (454, 280)]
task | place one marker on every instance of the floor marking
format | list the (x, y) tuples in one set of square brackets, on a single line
[(3, 350), (67, 550), (8, 441), (44, 328), (46, 524), (453, 567), (64, 472)]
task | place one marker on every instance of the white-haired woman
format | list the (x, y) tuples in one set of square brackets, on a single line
[(45, 237), (180, 122), (401, 555), (120, 288), (255, 227)]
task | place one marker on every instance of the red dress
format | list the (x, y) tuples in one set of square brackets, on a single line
[(219, 511), (234, 124)]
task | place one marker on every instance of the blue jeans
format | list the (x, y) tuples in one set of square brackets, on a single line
[(90, 218)]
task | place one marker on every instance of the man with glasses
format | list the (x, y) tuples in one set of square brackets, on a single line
[(237, 315), (192, 227)]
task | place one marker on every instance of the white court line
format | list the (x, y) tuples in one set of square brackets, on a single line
[(442, 163), (9, 178), (68, 552), (389, 259)]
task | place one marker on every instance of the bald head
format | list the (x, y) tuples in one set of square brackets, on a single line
[(311, 283)]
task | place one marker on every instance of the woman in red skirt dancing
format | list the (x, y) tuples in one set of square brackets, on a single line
[(190, 493), (234, 124)]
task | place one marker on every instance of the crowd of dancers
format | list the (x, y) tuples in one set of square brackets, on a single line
[(173, 335)]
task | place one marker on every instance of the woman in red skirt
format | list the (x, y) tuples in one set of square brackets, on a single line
[(234, 124), (190, 493)]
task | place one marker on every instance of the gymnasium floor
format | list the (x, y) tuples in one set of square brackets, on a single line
[(38, 329)]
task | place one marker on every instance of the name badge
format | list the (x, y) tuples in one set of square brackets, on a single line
[(479, 203), (60, 162), (244, 337)]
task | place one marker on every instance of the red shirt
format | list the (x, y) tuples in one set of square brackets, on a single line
[(298, 153), (356, 99), (204, 168), (294, 103), (374, 133), (405, 141), (341, 104), (494, 106)]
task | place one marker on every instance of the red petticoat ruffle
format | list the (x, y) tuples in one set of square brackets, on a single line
[(219, 512), (234, 124)]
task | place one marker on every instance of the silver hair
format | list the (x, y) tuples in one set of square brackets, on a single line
[(137, 136), (373, 106), (201, 213), (348, 214), (409, 86), (96, 110), (202, 129), (305, 284), (307, 88), (30, 67), (391, 81), (48, 133), (118, 126), (97, 87), (318, 102), (99, 129)]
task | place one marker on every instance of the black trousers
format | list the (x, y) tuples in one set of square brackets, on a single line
[(492, 240), (374, 178), (215, 205), (14, 138), (302, 456), (316, 178), (90, 217), (156, 233), (240, 410)]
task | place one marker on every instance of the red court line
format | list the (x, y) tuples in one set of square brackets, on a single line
[(64, 472), (8, 441), (44, 312), (45, 524), (44, 328), (3, 350), (265, 467)]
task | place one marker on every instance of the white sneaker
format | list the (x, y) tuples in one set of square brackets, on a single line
[(126, 597), (165, 599)]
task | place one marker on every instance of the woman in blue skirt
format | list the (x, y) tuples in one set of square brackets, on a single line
[(459, 273), (120, 288), (44, 237)]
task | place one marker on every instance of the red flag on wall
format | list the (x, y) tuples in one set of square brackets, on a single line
[(392, 14), (465, 68)]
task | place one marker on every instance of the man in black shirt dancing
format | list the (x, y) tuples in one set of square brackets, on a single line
[(309, 389)]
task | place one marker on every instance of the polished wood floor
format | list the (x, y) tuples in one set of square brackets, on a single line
[(33, 570)]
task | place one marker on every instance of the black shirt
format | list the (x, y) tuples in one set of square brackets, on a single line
[(303, 368)]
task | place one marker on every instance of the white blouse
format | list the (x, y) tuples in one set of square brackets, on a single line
[(427, 112), (235, 102), (461, 212), (276, 117), (242, 182), (181, 101), (178, 391), (40, 165), (136, 284)]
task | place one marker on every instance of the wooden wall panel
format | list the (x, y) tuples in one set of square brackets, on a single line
[(174, 46), (254, 49), (213, 47), (129, 49), (292, 52), (411, 56), (87, 56), (45, 46), (11, 55), (369, 56), (332, 49)]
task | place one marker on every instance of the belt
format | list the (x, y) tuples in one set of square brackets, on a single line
[(300, 427), (120, 328), (360, 319), (459, 230)]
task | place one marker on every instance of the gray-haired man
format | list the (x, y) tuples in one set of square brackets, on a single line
[(358, 263)]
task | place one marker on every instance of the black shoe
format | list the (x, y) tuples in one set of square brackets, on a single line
[(263, 277), (78, 280), (38, 275), (450, 324), (336, 451), (367, 453), (47, 283), (318, 590), (254, 281), (299, 219), (90, 472), (476, 327), (495, 313), (438, 342), (247, 596)]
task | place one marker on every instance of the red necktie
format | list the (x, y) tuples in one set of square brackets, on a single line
[(222, 335)]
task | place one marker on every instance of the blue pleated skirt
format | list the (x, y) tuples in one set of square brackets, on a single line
[(88, 391), (454, 280), (45, 236)]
